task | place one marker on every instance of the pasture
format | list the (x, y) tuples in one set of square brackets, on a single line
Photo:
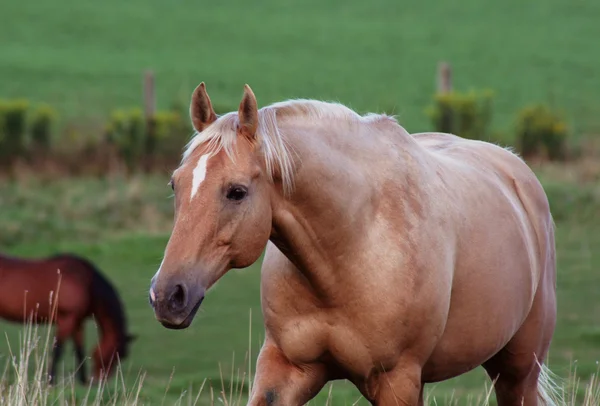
[(372, 56), (86, 59), (129, 252)]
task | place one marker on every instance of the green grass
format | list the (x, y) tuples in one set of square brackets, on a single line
[(123, 226), (87, 58), (23, 383)]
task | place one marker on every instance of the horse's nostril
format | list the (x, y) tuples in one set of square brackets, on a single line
[(177, 301)]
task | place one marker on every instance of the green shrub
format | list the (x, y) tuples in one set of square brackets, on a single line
[(135, 129), (541, 131), (3, 106), (125, 130), (161, 127), (467, 115), (42, 124), (13, 130)]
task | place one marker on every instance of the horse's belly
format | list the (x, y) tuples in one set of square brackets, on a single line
[(480, 323), (446, 362), (466, 345), (17, 308)]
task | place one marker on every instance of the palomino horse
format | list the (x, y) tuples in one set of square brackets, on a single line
[(392, 260), (65, 289)]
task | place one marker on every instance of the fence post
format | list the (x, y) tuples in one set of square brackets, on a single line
[(149, 95), (444, 78), (149, 112)]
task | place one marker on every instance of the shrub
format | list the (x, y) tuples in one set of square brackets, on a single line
[(467, 115), (125, 130), (541, 131), (162, 126), (135, 130), (42, 124), (3, 155), (13, 130), (139, 142)]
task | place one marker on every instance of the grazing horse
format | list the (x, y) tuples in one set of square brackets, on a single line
[(65, 290), (392, 260)]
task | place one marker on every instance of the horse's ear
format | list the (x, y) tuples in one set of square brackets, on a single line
[(201, 110), (248, 114)]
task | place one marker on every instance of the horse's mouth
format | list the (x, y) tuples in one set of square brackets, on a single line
[(187, 321)]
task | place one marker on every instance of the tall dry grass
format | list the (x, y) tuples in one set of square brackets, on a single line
[(24, 383)]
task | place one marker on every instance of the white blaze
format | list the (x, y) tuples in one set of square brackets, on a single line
[(199, 174), (157, 272), (152, 294)]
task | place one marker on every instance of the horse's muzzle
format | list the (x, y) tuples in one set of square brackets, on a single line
[(176, 304)]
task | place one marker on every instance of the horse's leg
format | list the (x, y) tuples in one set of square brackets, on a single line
[(278, 382), (78, 339), (515, 367), (64, 330), (516, 375), (56, 354), (401, 386)]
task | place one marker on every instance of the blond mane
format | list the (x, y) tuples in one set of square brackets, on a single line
[(221, 135)]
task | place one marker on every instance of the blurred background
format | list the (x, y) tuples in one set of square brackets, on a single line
[(94, 101)]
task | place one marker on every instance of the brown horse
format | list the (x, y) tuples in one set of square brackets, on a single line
[(65, 290), (392, 260)]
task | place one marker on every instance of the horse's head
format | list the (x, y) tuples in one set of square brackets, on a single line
[(222, 209), (108, 354)]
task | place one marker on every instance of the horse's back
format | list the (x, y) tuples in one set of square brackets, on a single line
[(506, 171), (34, 284)]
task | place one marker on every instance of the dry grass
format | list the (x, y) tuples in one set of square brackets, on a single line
[(24, 382)]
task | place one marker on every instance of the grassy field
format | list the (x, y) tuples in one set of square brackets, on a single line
[(125, 229), (87, 57)]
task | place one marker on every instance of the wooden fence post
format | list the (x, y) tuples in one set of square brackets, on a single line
[(149, 112), (149, 95), (444, 78)]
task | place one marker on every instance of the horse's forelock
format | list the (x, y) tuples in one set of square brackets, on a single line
[(222, 135)]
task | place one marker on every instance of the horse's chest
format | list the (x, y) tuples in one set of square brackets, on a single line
[(324, 337), (308, 331), (302, 339)]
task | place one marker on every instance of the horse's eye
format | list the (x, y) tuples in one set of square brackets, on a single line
[(237, 193), (172, 184)]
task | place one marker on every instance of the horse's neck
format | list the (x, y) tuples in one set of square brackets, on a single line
[(107, 346), (332, 207), (109, 330)]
